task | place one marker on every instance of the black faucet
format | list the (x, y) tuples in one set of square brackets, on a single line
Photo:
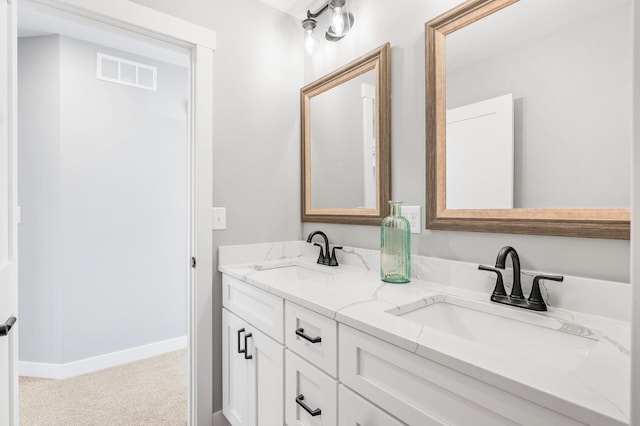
[(516, 298), (516, 289), (323, 257)]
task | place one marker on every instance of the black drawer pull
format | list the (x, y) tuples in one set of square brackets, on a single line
[(6, 327), (246, 348), (300, 332), (241, 351), (299, 401)]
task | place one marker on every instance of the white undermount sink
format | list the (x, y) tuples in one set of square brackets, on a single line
[(513, 331), (291, 270)]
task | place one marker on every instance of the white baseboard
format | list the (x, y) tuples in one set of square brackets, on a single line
[(88, 365), (219, 419)]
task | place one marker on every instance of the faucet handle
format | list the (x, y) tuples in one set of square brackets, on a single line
[(333, 261), (499, 288), (322, 260), (535, 297)]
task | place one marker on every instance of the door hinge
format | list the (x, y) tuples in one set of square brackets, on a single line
[(193, 262)]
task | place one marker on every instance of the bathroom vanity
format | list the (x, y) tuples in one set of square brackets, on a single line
[(307, 344)]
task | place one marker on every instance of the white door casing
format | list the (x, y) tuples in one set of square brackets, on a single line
[(8, 216), (368, 93), (201, 42), (480, 142)]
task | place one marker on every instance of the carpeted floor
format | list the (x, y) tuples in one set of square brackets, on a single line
[(148, 392)]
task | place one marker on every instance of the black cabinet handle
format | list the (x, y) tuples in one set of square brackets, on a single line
[(6, 327), (300, 332), (241, 351), (246, 351), (313, 413)]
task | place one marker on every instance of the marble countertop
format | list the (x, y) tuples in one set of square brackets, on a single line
[(594, 392)]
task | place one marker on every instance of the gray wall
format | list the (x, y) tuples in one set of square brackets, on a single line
[(257, 78), (39, 171), (109, 272), (403, 27), (572, 99)]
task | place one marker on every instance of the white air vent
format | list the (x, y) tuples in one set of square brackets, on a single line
[(129, 73)]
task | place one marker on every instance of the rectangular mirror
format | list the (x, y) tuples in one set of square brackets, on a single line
[(529, 117), (345, 142)]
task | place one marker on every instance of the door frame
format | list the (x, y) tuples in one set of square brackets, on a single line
[(201, 43)]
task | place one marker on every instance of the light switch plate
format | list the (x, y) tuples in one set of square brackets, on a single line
[(219, 218), (412, 214)]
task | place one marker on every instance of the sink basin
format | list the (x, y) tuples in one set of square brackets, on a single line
[(291, 271), (530, 336)]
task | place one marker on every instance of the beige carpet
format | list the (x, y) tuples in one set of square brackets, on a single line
[(147, 392)]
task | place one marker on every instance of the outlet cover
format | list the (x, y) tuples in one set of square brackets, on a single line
[(219, 218), (412, 214)]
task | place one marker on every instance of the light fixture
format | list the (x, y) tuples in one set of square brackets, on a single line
[(340, 23), (309, 25), (341, 20)]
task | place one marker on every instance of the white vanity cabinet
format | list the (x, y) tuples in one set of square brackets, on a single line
[(280, 365), (422, 392), (357, 411), (286, 364), (252, 356)]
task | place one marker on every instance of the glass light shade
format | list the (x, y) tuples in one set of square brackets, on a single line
[(340, 22), (309, 42)]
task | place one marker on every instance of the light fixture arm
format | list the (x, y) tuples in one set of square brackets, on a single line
[(320, 11)]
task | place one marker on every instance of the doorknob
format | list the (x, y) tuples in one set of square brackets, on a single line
[(6, 327)]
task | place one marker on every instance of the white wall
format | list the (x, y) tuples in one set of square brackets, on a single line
[(257, 77), (572, 99), (403, 27), (103, 242)]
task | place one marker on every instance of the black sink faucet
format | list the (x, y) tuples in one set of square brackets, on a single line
[(323, 257), (516, 298), (516, 289)]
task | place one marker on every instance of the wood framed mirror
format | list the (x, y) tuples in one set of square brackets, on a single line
[(509, 82), (345, 136)]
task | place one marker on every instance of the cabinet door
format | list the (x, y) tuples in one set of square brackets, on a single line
[(236, 372), (310, 395), (353, 410), (266, 392)]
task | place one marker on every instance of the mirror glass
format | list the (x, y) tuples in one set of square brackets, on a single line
[(528, 109), (345, 142), (538, 107)]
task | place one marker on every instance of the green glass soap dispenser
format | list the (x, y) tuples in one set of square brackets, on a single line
[(395, 246)]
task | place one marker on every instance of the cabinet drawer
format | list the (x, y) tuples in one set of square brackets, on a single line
[(422, 392), (263, 310), (306, 385), (353, 410), (312, 336)]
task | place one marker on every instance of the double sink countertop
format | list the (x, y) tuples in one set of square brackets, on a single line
[(575, 363)]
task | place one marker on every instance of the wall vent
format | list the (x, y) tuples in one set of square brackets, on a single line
[(129, 73)]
